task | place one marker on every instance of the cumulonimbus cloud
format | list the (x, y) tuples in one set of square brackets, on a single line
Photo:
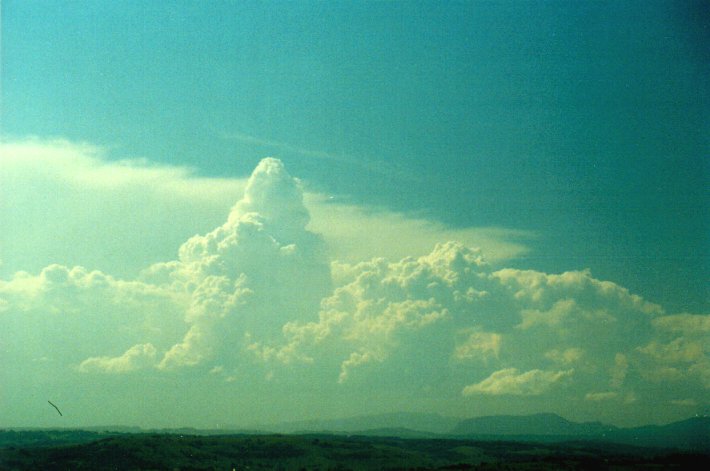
[(258, 298)]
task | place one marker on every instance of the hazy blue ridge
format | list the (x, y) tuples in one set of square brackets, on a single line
[(535, 424), (692, 434), (419, 422)]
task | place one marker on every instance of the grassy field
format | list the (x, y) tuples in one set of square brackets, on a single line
[(68, 450)]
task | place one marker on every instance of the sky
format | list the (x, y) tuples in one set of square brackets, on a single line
[(220, 214)]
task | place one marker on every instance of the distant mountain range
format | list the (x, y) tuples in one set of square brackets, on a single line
[(535, 424), (412, 421), (693, 433), (690, 434)]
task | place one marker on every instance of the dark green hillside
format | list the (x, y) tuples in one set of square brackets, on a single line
[(295, 452), (690, 434), (18, 438)]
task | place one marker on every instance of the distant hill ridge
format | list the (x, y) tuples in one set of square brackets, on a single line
[(535, 424), (415, 422), (689, 434), (693, 433)]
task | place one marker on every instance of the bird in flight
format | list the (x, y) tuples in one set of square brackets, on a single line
[(52, 404)]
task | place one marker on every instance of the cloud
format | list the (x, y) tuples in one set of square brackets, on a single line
[(611, 397), (619, 370), (70, 203), (381, 307), (377, 166), (679, 350), (257, 306), (250, 272), (601, 396), (478, 345), (355, 233), (67, 314), (119, 216), (688, 324), (450, 311), (136, 357), (565, 357), (282, 146), (509, 381)]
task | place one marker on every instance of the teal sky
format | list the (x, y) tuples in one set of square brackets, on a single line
[(558, 136), (586, 123)]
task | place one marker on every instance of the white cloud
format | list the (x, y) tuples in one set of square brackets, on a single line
[(129, 213), (553, 317), (510, 382), (679, 350), (619, 370), (260, 302), (67, 203), (688, 324), (601, 396), (136, 357), (479, 345), (251, 272), (565, 357), (356, 234), (69, 314)]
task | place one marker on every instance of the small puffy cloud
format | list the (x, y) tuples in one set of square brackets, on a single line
[(136, 357), (612, 397), (357, 359), (565, 357), (588, 292), (679, 350), (555, 316), (619, 370), (479, 345), (601, 396), (511, 382), (688, 324)]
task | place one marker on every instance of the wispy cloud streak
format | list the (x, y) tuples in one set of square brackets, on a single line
[(371, 165)]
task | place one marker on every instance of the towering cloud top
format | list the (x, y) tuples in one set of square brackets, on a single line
[(251, 275), (275, 196)]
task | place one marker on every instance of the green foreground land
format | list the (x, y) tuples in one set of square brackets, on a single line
[(81, 450)]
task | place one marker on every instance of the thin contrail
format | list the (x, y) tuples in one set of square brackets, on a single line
[(380, 167), (60, 412)]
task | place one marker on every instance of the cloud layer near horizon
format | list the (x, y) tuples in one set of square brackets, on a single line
[(257, 303)]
